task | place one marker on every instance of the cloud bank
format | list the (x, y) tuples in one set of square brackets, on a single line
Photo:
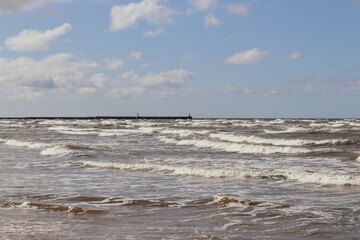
[(24, 5), (31, 40), (27, 75)]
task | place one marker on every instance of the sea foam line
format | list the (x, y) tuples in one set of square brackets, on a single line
[(234, 147), (19, 143), (293, 175), (276, 141), (46, 149)]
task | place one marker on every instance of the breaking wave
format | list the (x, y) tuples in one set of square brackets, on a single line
[(19, 143), (234, 147), (302, 176), (281, 142), (57, 151)]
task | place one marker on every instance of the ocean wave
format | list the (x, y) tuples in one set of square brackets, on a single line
[(173, 169), (31, 145), (302, 176), (277, 141), (183, 132), (57, 208), (114, 133), (322, 178), (63, 150), (234, 147), (74, 131), (53, 122)]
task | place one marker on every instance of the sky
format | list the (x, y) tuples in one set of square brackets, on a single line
[(210, 58)]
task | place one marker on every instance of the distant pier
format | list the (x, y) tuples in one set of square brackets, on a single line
[(103, 117)]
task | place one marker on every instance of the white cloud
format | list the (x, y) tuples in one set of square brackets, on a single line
[(170, 79), (127, 92), (24, 5), (99, 79), (34, 40), (253, 56), (0, 48), (229, 89), (155, 33), (151, 11), (200, 5), (145, 65), (25, 76), (136, 55), (294, 56), (186, 56), (211, 21), (86, 91), (114, 63), (238, 8)]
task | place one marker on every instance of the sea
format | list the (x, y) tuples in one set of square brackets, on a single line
[(180, 179)]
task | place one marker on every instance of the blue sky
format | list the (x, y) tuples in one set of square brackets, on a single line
[(212, 58)]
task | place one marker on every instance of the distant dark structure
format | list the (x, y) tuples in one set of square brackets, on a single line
[(104, 117)]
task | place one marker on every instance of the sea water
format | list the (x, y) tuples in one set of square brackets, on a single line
[(180, 179)]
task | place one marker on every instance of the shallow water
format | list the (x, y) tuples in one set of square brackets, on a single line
[(167, 179)]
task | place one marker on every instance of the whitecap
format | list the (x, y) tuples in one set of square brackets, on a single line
[(322, 178), (234, 147), (276, 141), (30, 145), (301, 176), (56, 151)]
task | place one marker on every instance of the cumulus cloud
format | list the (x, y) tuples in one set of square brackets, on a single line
[(27, 75), (127, 92), (155, 33), (99, 79), (294, 55), (200, 5), (170, 79), (114, 63), (211, 21), (253, 56), (24, 5), (151, 11), (34, 40), (86, 91), (136, 55), (238, 9)]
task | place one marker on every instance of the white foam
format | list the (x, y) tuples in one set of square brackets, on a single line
[(257, 140), (183, 132), (322, 178), (148, 130), (53, 122), (114, 133), (74, 131), (56, 151), (173, 169), (234, 147), (274, 141), (289, 130), (109, 122), (31, 145), (26, 205), (293, 175)]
